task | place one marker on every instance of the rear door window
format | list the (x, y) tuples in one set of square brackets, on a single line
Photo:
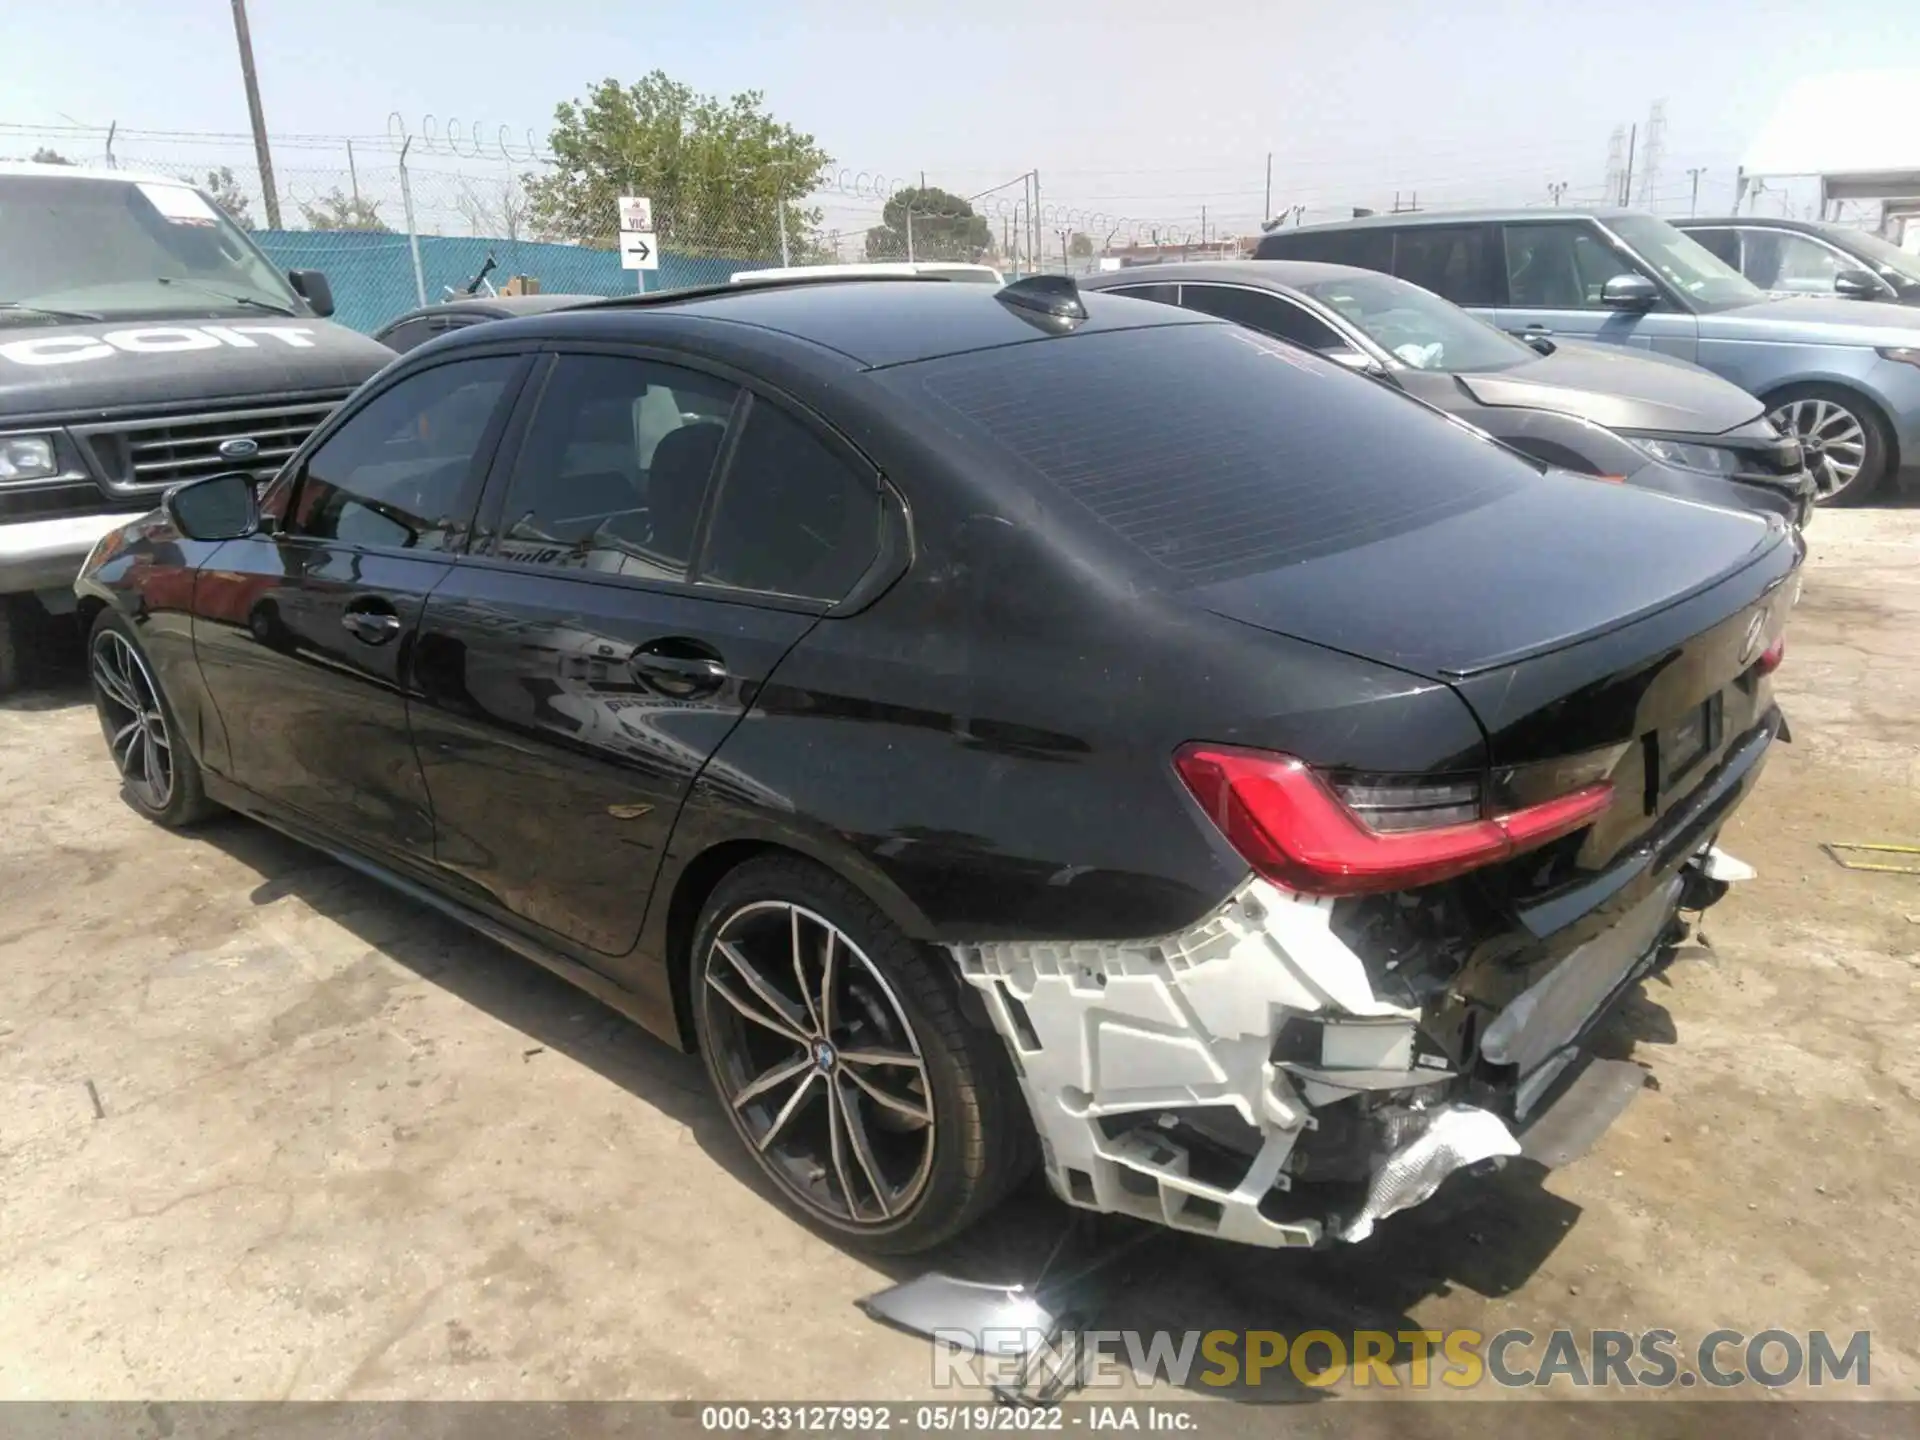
[(1269, 314), (1558, 267), (1368, 248), (1450, 260), (1214, 451)]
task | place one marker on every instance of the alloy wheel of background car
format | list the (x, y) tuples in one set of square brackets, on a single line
[(1843, 445), (130, 715), (820, 1064)]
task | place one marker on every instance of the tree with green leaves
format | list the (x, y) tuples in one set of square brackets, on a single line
[(719, 172), (1081, 246), (44, 156), (227, 194), (927, 223), (336, 211)]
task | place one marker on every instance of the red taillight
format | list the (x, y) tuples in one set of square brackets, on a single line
[(1771, 657), (1292, 828)]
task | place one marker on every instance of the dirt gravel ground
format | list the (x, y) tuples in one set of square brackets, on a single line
[(267, 1131)]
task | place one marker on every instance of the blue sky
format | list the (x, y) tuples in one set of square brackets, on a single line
[(1147, 110)]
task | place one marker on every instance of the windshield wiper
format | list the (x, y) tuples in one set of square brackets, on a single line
[(254, 300), (57, 313)]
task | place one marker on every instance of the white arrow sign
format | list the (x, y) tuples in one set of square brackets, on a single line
[(639, 250)]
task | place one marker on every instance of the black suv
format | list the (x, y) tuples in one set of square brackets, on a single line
[(967, 713)]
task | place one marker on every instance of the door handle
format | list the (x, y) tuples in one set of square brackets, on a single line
[(1535, 330), (679, 667), (371, 627)]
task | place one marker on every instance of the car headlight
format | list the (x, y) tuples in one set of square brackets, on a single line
[(1710, 459), (27, 457), (1905, 354)]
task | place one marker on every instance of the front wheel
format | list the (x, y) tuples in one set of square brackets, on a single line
[(837, 1048), (158, 773), (1845, 440)]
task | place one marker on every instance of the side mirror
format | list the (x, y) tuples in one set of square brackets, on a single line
[(1857, 285), (220, 507), (312, 287), (1629, 292), (1348, 358), (1540, 342)]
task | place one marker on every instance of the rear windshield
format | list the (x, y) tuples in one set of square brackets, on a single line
[(1215, 451)]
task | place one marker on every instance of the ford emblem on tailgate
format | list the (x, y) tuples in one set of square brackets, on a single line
[(240, 449), (1756, 637)]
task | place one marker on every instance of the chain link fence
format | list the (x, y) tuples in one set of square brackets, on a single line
[(404, 219)]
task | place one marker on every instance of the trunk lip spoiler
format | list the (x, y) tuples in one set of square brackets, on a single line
[(1687, 827)]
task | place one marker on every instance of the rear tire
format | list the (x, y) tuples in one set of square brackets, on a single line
[(158, 775), (1838, 429), (836, 1047)]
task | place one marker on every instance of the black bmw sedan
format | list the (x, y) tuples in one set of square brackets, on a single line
[(991, 726)]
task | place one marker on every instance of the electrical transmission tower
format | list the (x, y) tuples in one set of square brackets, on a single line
[(1655, 149), (1616, 162)]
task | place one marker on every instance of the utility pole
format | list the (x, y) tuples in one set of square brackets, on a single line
[(1693, 202), (269, 192), (1626, 185), (1266, 210), (1203, 227), (353, 175), (1039, 251), (909, 234)]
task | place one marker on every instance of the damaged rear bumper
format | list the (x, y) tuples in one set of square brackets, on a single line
[(1244, 1079)]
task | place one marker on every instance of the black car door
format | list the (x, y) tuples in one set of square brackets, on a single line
[(305, 633), (610, 626)]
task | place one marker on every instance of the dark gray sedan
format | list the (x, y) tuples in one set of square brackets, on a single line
[(1599, 409), (429, 322)]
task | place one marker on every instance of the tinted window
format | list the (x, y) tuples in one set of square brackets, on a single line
[(1370, 249), (1558, 267), (1450, 260), (1216, 451), (1723, 245), (614, 468), (402, 470), (1159, 294), (405, 336), (791, 518), (1266, 313)]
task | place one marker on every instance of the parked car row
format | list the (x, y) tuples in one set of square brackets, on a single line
[(1005, 725), (1842, 376)]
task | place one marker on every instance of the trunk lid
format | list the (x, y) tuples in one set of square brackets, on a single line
[(1595, 631), (1536, 570)]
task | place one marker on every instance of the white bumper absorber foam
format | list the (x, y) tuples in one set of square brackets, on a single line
[(1140, 1028)]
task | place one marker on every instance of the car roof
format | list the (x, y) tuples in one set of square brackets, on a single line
[(1529, 214), (933, 269), (497, 305), (41, 171), (873, 322), (1266, 274), (1759, 222)]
